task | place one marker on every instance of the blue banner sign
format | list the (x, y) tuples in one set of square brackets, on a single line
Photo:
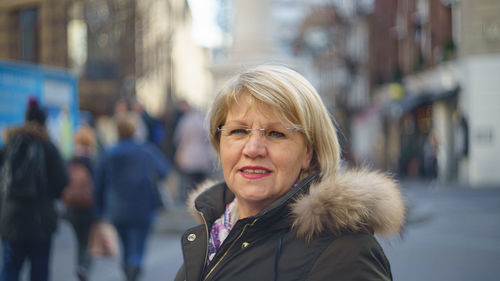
[(55, 89)]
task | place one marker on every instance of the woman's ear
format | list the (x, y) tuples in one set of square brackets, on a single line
[(306, 162)]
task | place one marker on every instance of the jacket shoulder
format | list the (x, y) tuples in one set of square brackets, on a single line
[(356, 256)]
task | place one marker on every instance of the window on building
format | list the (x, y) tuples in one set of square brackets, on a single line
[(28, 35)]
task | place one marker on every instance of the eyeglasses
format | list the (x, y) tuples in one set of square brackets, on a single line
[(241, 132)]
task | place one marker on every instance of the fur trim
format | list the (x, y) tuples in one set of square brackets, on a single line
[(194, 194), (32, 128), (350, 201)]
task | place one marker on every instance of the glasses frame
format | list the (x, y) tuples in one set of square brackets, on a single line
[(262, 131)]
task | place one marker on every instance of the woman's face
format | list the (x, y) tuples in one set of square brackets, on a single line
[(260, 167)]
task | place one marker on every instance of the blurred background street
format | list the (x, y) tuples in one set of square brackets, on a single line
[(452, 234), (412, 85)]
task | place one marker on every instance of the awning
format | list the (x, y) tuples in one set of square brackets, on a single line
[(395, 109)]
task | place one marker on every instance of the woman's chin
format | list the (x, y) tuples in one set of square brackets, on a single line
[(254, 199)]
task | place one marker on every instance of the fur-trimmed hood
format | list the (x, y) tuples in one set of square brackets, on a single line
[(352, 200), (30, 128)]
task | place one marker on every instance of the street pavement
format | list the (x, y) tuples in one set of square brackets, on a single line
[(163, 255), (452, 234)]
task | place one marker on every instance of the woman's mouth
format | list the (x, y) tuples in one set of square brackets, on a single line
[(254, 172)]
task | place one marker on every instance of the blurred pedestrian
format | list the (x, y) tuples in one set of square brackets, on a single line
[(125, 192), (171, 122), (193, 157), (430, 151), (33, 176), (77, 196)]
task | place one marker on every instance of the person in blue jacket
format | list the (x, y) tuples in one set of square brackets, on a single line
[(126, 194)]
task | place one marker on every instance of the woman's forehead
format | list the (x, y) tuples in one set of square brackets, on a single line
[(244, 107)]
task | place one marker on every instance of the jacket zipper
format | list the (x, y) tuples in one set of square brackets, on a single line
[(307, 181), (208, 235), (229, 249)]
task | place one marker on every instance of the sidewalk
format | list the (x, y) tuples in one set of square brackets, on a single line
[(452, 233), (174, 220)]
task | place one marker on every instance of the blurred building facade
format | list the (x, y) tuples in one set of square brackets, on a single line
[(105, 35), (413, 106), (32, 30), (119, 48), (435, 96), (170, 66), (133, 54), (478, 66), (335, 37), (431, 92)]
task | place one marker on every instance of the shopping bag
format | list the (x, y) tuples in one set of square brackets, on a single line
[(103, 240)]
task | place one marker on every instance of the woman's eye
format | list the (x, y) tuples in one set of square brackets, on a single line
[(239, 131), (276, 134)]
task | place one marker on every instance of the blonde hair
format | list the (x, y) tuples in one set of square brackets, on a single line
[(85, 136), (296, 101), (85, 141)]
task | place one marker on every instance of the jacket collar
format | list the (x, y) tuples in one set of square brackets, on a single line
[(352, 200), (32, 129)]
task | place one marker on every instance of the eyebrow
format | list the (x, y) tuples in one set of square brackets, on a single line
[(243, 123)]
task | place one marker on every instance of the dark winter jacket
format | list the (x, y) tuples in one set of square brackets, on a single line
[(321, 230), (125, 190), (22, 221), (79, 215)]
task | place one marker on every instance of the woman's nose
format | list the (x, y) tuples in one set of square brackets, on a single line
[(255, 145)]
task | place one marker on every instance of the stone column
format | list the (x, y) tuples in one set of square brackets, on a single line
[(253, 41), (252, 28)]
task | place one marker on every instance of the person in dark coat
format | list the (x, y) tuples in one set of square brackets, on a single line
[(27, 226), (81, 215), (125, 191), (286, 211)]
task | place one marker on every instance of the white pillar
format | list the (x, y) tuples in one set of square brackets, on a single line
[(252, 28), (443, 127), (254, 41)]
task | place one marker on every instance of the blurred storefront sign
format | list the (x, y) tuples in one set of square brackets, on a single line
[(56, 89), (395, 109), (491, 30)]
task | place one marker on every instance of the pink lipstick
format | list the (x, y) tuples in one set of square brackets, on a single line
[(254, 172)]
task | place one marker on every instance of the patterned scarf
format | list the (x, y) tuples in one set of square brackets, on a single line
[(221, 228)]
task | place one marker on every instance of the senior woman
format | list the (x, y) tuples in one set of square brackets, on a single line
[(285, 210)]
